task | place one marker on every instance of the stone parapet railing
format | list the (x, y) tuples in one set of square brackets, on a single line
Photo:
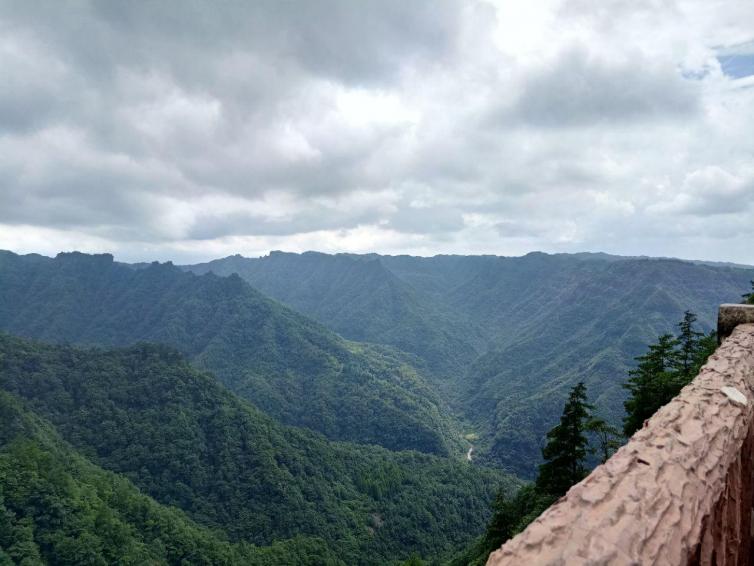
[(679, 492), (731, 316)]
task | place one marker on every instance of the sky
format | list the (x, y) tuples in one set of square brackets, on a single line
[(191, 130)]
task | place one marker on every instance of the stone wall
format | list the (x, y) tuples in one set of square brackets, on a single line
[(679, 492)]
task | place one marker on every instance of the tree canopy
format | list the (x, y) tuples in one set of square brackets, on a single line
[(668, 365), (145, 413)]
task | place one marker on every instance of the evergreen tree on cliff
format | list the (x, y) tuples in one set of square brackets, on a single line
[(664, 370), (567, 446), (688, 346), (651, 384), (565, 455)]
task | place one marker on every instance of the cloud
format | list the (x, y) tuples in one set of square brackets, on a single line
[(710, 191), (579, 89), (162, 130)]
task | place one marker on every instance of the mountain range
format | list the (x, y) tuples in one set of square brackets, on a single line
[(502, 338), (291, 367), (304, 408)]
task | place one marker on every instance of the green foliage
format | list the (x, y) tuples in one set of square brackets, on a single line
[(414, 560), (652, 383), (183, 439), (361, 298), (608, 438), (567, 446), (688, 348), (565, 457), (511, 515), (287, 365), (504, 337), (669, 365), (58, 508)]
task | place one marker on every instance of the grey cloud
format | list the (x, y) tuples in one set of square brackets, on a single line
[(99, 69), (426, 220), (578, 89), (78, 205), (349, 41), (165, 109), (517, 229), (208, 226)]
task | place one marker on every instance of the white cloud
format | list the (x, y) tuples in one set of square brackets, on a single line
[(434, 127)]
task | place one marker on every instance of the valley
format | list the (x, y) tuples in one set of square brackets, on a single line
[(251, 397), (502, 338)]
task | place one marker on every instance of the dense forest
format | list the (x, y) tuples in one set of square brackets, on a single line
[(287, 365), (56, 507), (187, 418), (504, 338), (180, 437), (667, 366)]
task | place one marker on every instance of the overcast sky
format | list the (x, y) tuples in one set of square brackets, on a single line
[(189, 130)]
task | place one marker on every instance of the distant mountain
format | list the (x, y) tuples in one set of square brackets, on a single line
[(286, 364), (359, 297), (144, 413), (517, 332)]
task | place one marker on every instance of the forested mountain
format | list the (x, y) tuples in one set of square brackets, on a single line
[(56, 507), (286, 364), (359, 297), (185, 440), (518, 332)]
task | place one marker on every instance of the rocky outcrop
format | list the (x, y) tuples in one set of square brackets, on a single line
[(680, 491)]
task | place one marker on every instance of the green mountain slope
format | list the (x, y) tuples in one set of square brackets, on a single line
[(358, 297), (182, 438), (289, 366), (536, 324), (56, 507)]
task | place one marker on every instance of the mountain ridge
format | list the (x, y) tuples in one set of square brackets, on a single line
[(534, 325), (288, 365)]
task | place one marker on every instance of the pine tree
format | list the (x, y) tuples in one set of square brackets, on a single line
[(651, 384), (567, 446), (688, 349), (608, 437), (565, 458), (706, 347)]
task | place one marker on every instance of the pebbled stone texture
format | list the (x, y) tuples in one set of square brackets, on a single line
[(679, 492)]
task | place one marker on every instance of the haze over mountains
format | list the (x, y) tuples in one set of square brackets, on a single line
[(504, 338)]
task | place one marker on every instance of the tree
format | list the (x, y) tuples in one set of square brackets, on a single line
[(651, 384), (688, 347), (565, 464), (567, 446), (608, 436), (510, 516), (664, 370), (706, 347)]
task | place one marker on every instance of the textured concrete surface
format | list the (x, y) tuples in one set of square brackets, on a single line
[(731, 315), (679, 492)]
